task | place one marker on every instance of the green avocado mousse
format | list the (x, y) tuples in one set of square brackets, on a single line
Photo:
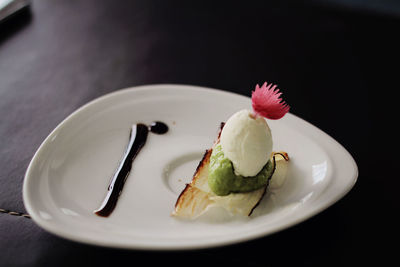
[(222, 180), (240, 161)]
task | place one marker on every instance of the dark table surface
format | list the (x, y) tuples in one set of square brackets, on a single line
[(336, 63)]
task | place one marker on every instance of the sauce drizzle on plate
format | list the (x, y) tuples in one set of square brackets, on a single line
[(137, 139)]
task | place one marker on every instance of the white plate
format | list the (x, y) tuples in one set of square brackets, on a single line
[(68, 176)]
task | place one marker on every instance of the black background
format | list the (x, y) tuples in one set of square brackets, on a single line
[(336, 64)]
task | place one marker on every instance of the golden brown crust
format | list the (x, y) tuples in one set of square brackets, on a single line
[(202, 164), (256, 205), (189, 188), (282, 153), (285, 156)]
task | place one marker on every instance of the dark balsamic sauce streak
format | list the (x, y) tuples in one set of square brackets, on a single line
[(158, 127), (137, 140)]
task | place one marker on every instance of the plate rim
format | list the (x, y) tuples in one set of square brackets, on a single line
[(352, 179)]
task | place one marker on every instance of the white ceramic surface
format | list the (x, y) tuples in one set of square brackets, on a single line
[(68, 176)]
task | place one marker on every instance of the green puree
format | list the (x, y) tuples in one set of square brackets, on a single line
[(223, 181)]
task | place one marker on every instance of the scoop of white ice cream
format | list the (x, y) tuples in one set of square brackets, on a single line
[(247, 142)]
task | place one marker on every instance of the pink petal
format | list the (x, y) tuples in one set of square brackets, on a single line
[(266, 102)]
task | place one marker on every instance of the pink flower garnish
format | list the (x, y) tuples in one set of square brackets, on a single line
[(266, 102)]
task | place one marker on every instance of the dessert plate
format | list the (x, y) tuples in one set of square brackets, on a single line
[(68, 176)]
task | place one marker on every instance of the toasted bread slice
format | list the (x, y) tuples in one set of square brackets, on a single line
[(197, 197)]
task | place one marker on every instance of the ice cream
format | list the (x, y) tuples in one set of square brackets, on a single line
[(246, 138), (247, 142)]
